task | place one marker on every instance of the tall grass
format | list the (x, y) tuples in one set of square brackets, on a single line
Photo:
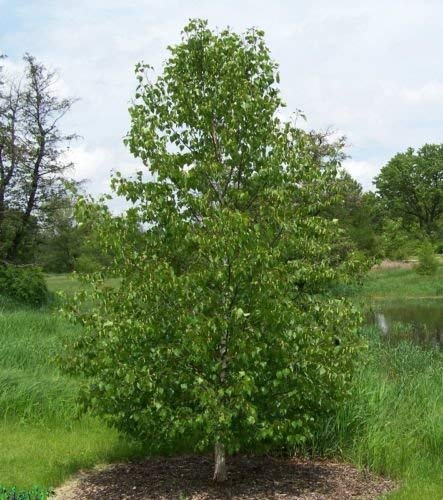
[(42, 438), (31, 386), (393, 423)]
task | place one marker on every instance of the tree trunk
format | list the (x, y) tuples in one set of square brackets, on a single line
[(220, 463), (2, 212), (26, 218)]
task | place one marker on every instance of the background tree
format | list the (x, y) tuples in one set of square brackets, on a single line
[(410, 186), (63, 245), (357, 214), (224, 332), (32, 166)]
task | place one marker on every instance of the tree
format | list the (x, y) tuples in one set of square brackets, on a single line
[(32, 165), (356, 214), (410, 186), (224, 331), (63, 245)]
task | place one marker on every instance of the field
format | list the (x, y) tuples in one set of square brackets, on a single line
[(392, 425), (402, 284)]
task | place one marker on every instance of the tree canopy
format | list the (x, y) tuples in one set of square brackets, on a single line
[(33, 169), (226, 329), (410, 186)]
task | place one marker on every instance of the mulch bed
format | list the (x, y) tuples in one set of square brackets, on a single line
[(189, 477)]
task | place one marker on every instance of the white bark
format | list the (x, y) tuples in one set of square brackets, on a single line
[(220, 463)]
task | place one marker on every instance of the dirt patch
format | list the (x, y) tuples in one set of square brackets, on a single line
[(395, 264), (189, 477)]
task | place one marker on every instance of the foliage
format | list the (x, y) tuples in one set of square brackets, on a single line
[(427, 261), (64, 245), (13, 493), (224, 328), (25, 285), (397, 243), (10, 226), (32, 165), (357, 214), (410, 186), (87, 263)]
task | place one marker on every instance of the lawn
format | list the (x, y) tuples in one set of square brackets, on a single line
[(64, 283)]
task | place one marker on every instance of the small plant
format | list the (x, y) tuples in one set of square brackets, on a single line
[(35, 493), (25, 285), (427, 261)]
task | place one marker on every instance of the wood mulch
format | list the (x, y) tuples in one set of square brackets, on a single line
[(189, 477)]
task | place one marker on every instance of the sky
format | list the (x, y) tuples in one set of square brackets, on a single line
[(369, 70)]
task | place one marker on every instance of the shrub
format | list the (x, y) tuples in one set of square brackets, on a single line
[(439, 247), (427, 261), (35, 493), (86, 263), (396, 242), (25, 285)]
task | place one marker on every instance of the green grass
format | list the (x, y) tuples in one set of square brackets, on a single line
[(393, 424), (398, 414), (402, 283), (65, 283), (42, 439), (69, 284), (48, 452)]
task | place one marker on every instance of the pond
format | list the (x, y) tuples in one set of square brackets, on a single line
[(420, 321)]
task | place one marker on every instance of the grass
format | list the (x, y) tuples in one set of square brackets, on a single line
[(42, 439), (65, 283), (48, 452), (402, 284), (392, 425), (396, 418)]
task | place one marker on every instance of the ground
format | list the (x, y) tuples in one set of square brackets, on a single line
[(189, 477)]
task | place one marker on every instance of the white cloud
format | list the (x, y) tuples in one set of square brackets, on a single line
[(96, 166), (363, 171), (93, 166), (12, 67), (431, 92)]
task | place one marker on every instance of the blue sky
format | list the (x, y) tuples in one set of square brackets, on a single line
[(369, 70)]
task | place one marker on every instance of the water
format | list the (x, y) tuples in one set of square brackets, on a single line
[(420, 321)]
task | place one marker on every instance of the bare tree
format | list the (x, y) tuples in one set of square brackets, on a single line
[(33, 168)]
